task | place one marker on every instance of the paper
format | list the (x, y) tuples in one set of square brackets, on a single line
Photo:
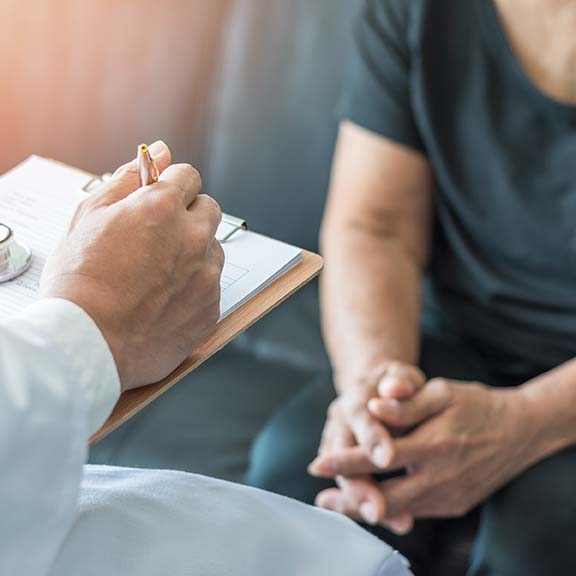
[(38, 199)]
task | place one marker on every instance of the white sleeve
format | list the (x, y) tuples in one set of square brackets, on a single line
[(58, 384)]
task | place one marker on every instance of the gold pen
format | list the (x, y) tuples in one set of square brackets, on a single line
[(146, 166)]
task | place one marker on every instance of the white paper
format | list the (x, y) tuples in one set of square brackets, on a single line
[(38, 199)]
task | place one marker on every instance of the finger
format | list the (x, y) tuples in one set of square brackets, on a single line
[(352, 461), (359, 499), (335, 437), (204, 217), (435, 397), (414, 448), (182, 180), (401, 381), (403, 495), (333, 500), (372, 436), (364, 497), (409, 451), (348, 462), (326, 438), (126, 179), (402, 524)]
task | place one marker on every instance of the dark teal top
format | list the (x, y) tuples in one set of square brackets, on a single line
[(440, 77)]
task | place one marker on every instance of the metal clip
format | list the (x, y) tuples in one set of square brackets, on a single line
[(233, 225)]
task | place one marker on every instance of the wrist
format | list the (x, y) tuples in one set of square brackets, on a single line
[(543, 420), (86, 299)]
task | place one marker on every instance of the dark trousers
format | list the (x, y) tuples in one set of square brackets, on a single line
[(526, 529)]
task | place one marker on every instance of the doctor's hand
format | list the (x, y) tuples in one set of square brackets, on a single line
[(145, 265)]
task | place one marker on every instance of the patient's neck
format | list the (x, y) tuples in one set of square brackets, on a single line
[(543, 36)]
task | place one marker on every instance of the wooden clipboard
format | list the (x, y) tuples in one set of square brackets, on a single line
[(240, 320)]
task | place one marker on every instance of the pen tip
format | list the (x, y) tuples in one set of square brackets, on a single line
[(143, 148)]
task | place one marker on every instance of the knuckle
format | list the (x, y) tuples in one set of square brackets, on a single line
[(442, 388), (439, 385), (334, 409), (436, 381), (189, 175), (201, 238), (212, 205), (185, 178), (212, 211), (196, 177)]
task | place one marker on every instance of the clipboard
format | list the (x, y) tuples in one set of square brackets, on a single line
[(228, 329)]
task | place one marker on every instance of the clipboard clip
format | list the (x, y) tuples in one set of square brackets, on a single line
[(231, 225), (95, 183)]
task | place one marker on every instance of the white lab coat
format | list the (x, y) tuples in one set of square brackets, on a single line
[(58, 384)]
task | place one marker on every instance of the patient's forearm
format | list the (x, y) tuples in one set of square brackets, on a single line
[(551, 402), (370, 300)]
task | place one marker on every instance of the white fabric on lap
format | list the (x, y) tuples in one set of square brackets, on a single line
[(160, 523)]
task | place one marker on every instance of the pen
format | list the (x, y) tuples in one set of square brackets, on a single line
[(146, 166)]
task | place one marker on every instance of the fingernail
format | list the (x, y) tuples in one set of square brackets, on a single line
[(369, 513), (402, 527), (381, 456)]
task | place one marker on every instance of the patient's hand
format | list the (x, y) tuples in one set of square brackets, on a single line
[(145, 265), (354, 431), (469, 440)]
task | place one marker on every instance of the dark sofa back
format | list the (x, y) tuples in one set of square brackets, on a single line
[(275, 126), (273, 139)]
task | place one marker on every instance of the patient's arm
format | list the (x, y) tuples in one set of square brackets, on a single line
[(375, 240)]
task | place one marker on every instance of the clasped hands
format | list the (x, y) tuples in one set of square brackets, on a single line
[(454, 443)]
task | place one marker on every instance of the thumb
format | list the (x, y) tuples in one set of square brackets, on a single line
[(401, 381), (126, 179)]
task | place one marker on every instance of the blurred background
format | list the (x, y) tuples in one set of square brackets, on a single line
[(85, 81), (243, 89)]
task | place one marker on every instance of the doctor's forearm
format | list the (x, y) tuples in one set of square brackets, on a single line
[(371, 292)]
